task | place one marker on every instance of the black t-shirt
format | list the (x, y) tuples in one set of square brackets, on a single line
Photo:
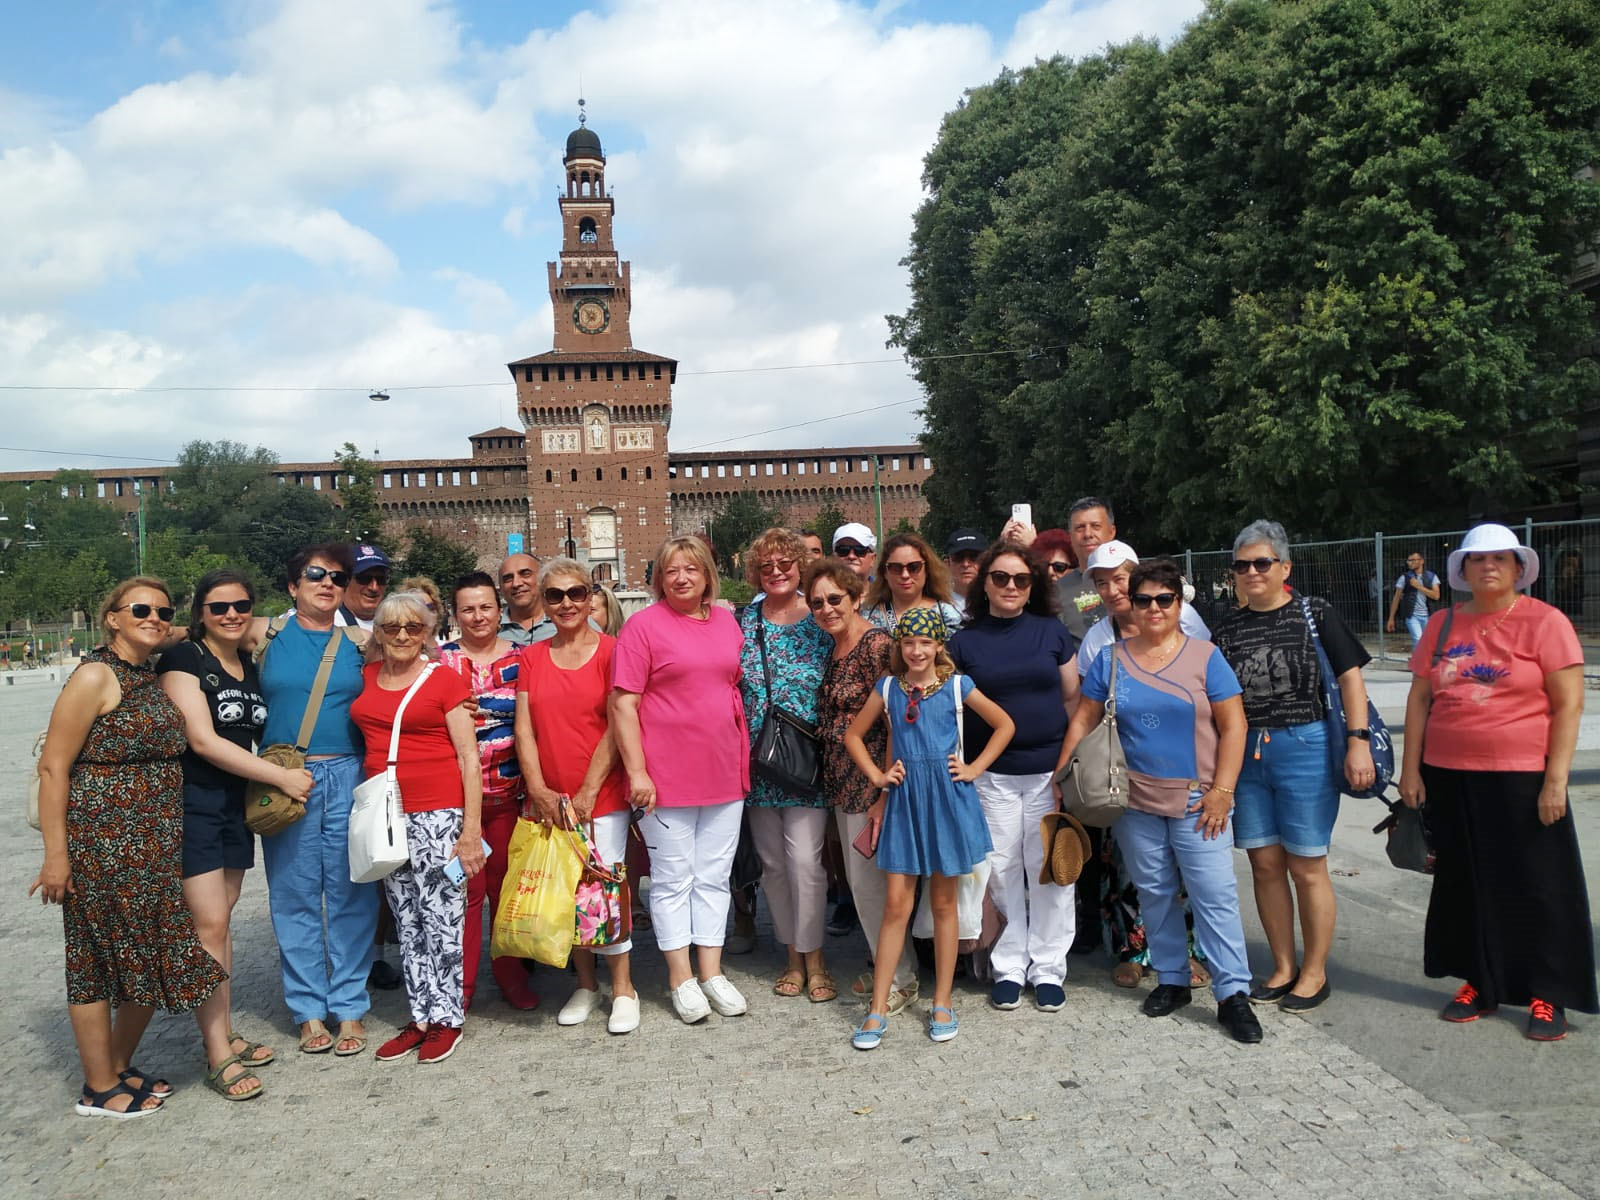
[(238, 710), (1273, 656)]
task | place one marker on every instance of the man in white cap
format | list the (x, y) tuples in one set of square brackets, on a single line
[(1109, 566), (854, 543)]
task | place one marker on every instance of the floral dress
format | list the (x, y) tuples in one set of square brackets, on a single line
[(845, 686), (129, 934), (797, 655)]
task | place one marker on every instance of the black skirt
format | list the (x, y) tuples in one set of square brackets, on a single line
[(1509, 912)]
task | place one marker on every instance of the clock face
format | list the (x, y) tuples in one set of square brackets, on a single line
[(591, 316)]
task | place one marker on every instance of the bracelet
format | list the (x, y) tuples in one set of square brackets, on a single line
[(1217, 787)]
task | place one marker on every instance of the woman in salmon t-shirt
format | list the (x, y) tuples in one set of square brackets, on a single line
[(564, 744), (680, 729), (1491, 725)]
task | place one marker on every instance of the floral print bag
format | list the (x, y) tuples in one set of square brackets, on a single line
[(603, 901)]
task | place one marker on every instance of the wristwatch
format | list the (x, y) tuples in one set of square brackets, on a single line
[(1364, 734)]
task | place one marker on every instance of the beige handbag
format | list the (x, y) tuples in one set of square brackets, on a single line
[(267, 810), (33, 783), (1094, 783)]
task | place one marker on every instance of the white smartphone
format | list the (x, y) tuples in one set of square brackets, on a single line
[(1022, 514)]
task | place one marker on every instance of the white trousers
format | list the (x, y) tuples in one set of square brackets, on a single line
[(691, 857), (1041, 919), (793, 879), (869, 886)]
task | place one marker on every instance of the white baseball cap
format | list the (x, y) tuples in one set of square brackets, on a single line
[(1110, 555), (856, 532), (1484, 538)]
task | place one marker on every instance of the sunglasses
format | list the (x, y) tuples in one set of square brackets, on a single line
[(318, 574), (776, 566), (554, 596), (966, 556), (412, 628), (142, 611), (1021, 580), (1243, 566), (910, 570), (913, 705), (373, 578), (1060, 568), (851, 551), (219, 608), (1162, 600), (818, 603)]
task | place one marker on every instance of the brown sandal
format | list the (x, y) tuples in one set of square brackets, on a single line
[(789, 984), (1198, 975), (820, 987), (1127, 974)]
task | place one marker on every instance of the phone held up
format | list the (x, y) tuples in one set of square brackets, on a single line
[(1022, 514)]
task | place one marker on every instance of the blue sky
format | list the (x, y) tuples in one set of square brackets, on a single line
[(297, 195)]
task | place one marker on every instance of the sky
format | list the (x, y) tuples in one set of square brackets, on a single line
[(275, 207)]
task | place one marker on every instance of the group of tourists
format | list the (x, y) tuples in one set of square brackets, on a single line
[(947, 695)]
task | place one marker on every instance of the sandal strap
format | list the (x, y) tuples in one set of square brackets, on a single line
[(98, 1099)]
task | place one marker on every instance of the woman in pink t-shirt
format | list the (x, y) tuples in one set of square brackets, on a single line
[(1491, 725), (679, 724)]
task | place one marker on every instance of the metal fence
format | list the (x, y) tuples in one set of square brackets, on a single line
[(1358, 576), (36, 644)]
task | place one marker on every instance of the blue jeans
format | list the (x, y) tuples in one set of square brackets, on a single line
[(1414, 628), (1157, 851), (1286, 793), (308, 874)]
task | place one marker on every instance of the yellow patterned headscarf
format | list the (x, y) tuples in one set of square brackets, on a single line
[(922, 622)]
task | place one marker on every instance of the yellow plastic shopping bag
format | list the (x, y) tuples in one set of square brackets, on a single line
[(536, 915)]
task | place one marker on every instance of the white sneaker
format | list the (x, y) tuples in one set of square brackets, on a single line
[(689, 1002), (724, 997), (576, 1010), (624, 1015)]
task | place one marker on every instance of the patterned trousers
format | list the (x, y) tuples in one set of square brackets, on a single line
[(430, 917)]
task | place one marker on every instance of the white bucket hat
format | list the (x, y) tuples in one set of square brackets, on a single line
[(1481, 539)]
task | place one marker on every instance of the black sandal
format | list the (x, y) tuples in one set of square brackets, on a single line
[(93, 1104), (159, 1088)]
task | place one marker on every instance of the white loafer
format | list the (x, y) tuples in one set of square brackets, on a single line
[(624, 1015), (576, 1010), (689, 1002), (724, 997)]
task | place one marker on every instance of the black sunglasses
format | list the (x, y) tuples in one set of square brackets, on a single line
[(851, 551), (219, 608), (834, 600), (909, 569), (142, 611), (1060, 568), (412, 628), (1022, 580), (554, 596), (318, 574), (1162, 600), (1243, 566)]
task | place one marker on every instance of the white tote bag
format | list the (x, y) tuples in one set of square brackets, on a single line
[(377, 822)]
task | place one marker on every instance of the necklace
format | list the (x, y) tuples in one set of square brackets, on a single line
[(1510, 608), (1175, 642), (940, 678)]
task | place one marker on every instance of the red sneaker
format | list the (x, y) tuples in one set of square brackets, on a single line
[(1546, 1022), (402, 1043), (519, 995), (439, 1043)]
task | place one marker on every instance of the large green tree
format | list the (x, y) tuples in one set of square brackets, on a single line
[(438, 558), (360, 517), (736, 524), (1310, 261)]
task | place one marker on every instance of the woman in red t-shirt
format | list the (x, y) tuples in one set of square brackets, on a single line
[(565, 746), (441, 791), (1491, 725)]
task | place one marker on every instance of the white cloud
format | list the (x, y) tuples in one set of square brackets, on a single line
[(1077, 28)]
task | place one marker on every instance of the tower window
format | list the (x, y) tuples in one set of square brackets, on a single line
[(594, 374), (608, 372), (647, 472), (587, 233), (544, 374), (598, 474), (658, 370), (549, 477), (574, 474), (624, 472)]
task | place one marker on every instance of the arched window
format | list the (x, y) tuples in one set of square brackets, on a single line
[(588, 234)]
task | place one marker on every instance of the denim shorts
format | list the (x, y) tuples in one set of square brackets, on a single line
[(1286, 793)]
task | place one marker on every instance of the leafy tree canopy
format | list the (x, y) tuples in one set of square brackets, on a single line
[(438, 558), (738, 523), (1310, 261)]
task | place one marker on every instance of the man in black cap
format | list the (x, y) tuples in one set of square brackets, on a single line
[(366, 589), (961, 553)]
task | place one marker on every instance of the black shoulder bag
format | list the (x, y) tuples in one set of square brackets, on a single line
[(1410, 842), (786, 753)]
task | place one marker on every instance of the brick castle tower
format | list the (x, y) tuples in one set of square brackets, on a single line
[(596, 409)]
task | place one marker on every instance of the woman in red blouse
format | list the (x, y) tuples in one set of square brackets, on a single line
[(1491, 725), (565, 745)]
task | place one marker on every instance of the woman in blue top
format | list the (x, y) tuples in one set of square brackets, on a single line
[(1181, 723), (782, 643), (1020, 655), (307, 864)]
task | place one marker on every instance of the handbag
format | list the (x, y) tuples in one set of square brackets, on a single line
[(535, 917), (266, 809), (603, 900), (33, 783), (377, 841), (1094, 783), (786, 752), (1333, 701), (1410, 842)]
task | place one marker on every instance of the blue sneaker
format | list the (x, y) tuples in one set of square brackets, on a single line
[(942, 1031), (868, 1039), (1048, 997), (1006, 994)]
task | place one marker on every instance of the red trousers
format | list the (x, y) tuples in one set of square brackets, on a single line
[(498, 822)]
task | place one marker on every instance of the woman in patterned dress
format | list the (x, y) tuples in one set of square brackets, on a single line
[(111, 810), (782, 643)]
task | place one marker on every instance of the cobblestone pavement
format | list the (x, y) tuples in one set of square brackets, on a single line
[(1095, 1100)]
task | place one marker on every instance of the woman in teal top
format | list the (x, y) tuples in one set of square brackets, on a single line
[(788, 828), (307, 864)]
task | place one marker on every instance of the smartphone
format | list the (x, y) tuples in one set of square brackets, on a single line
[(456, 873), (1022, 513)]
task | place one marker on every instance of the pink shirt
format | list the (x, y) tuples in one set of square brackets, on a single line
[(1490, 711), (686, 674)]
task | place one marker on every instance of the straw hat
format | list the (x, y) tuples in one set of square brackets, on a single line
[(1066, 848), (1485, 538)]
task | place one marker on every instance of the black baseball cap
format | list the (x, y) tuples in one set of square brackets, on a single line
[(965, 539)]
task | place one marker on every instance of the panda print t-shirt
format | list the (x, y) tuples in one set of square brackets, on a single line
[(238, 710)]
